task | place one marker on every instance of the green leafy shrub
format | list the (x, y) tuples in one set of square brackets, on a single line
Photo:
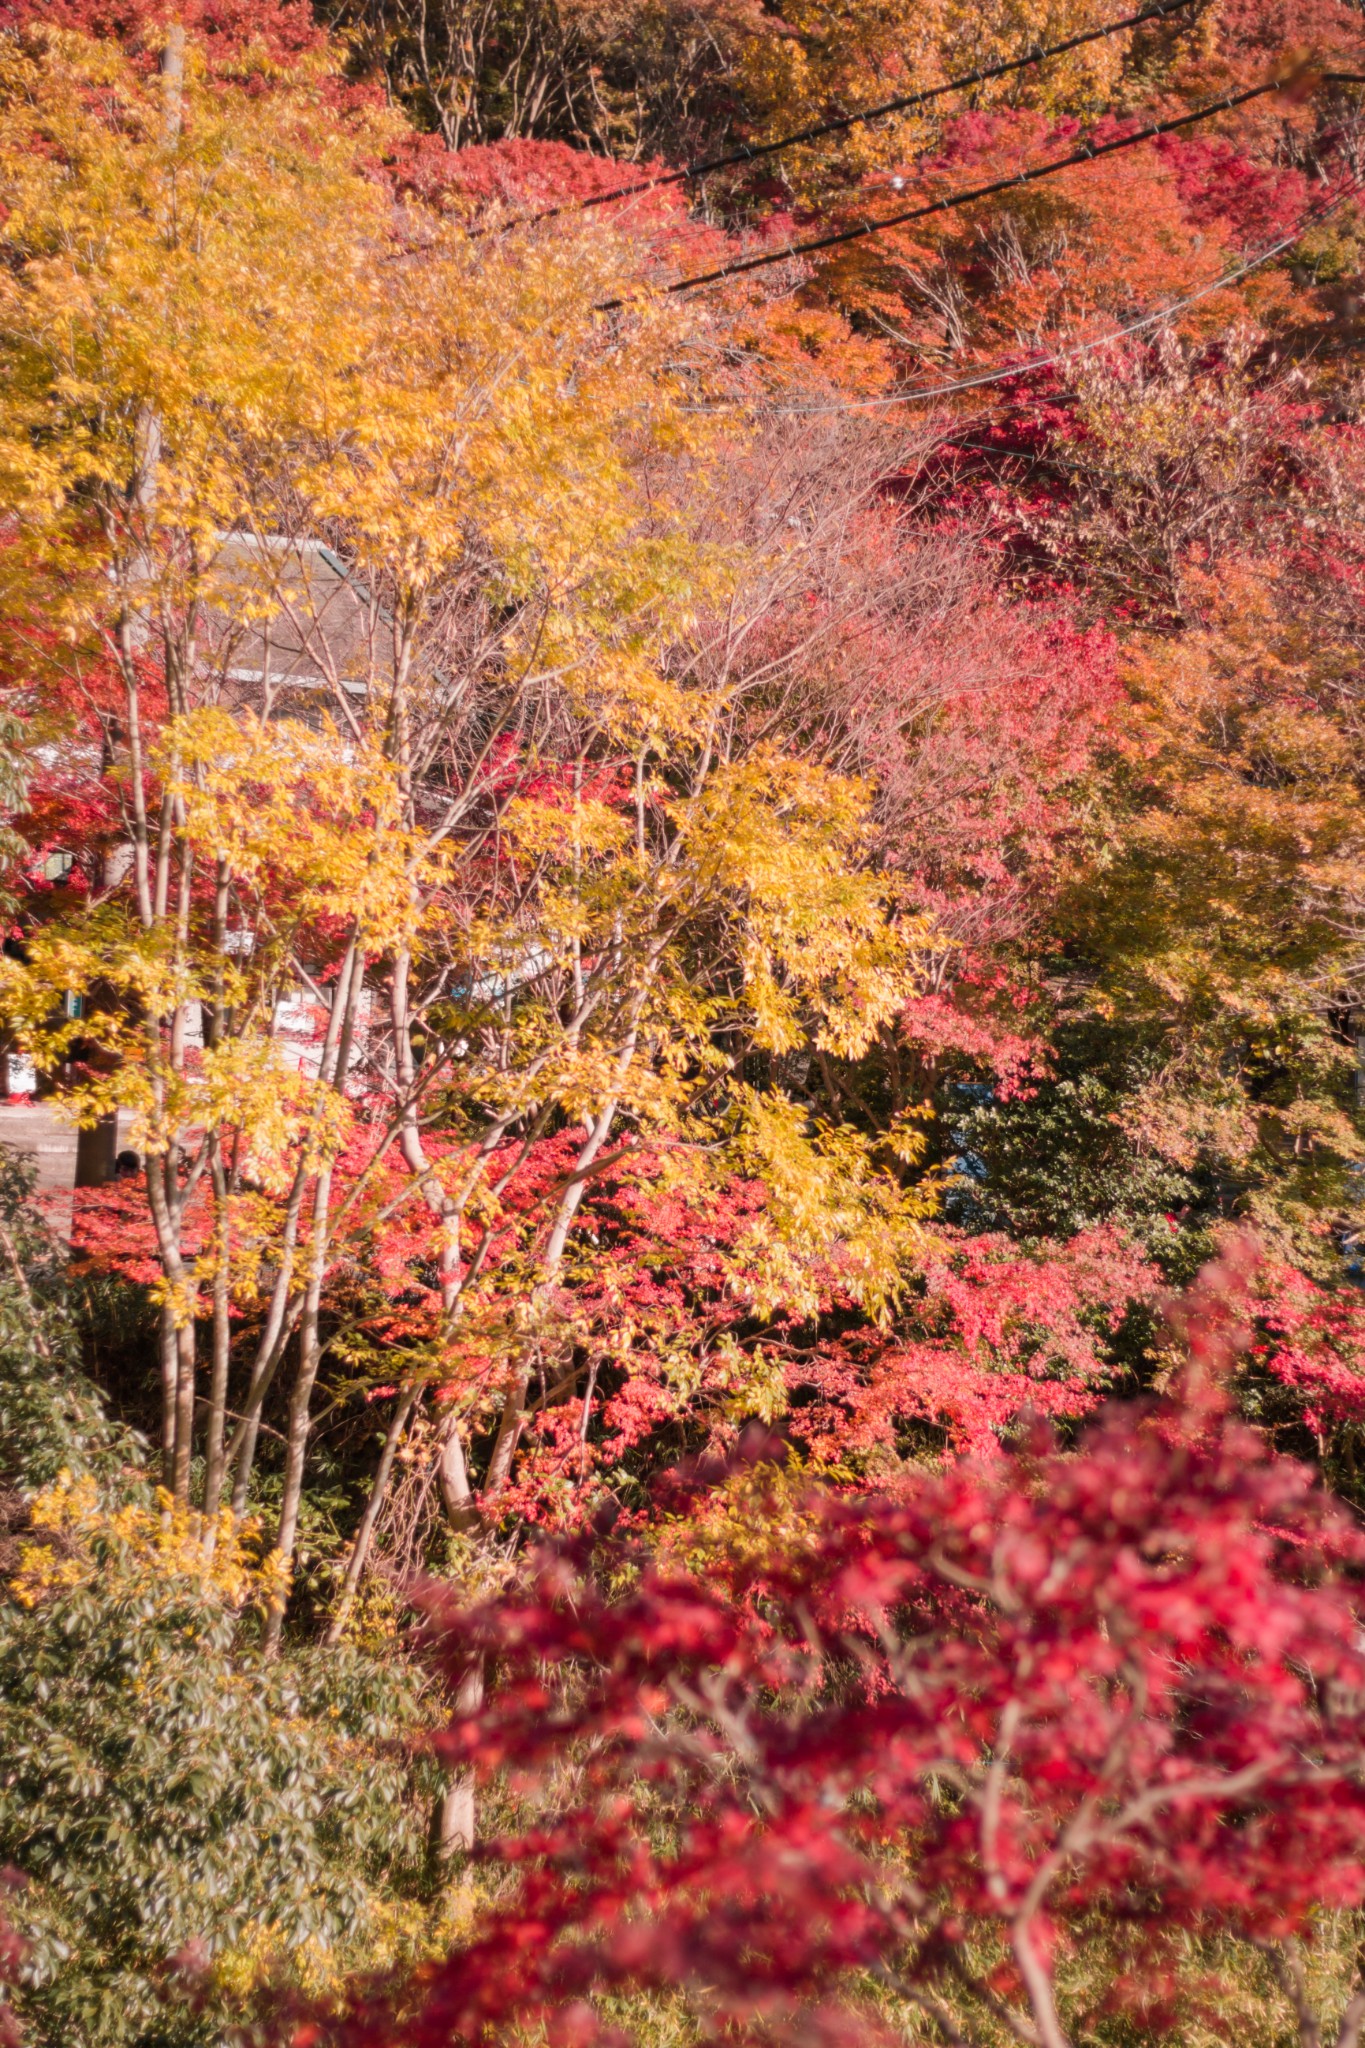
[(184, 1815), (51, 1418)]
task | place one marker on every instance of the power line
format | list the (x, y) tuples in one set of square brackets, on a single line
[(752, 152), (1089, 152), (1312, 218)]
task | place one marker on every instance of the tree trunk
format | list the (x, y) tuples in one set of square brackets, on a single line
[(286, 1309), (514, 1403), (455, 1817), (184, 1409), (216, 1430), (452, 1477), (170, 1372), (300, 1399), (360, 1546)]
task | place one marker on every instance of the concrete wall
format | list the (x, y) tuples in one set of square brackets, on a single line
[(35, 1130)]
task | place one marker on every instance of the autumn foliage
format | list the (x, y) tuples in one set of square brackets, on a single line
[(691, 909), (919, 1756)]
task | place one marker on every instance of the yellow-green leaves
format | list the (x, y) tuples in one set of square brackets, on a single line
[(162, 303), (308, 825), (404, 601), (783, 844), (834, 1220)]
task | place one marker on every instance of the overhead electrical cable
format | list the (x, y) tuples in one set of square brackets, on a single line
[(922, 394), (1089, 152), (839, 124)]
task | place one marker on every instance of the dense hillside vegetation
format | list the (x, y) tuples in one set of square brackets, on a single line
[(681, 728)]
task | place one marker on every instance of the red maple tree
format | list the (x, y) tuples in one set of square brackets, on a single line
[(923, 1747)]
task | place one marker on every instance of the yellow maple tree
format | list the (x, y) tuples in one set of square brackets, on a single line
[(405, 590)]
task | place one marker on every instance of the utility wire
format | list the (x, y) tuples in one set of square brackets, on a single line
[(1089, 152), (923, 393), (750, 153)]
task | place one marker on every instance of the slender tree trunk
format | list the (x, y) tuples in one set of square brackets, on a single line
[(281, 1319), (173, 81), (298, 1424), (287, 1308), (215, 1433), (184, 1411), (166, 1199), (364, 1535), (300, 1398), (136, 508), (177, 1325), (456, 1819), (216, 1428), (514, 1403), (185, 1345), (452, 1477), (170, 1366)]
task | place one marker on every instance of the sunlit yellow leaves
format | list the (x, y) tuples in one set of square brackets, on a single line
[(507, 840), (137, 974), (296, 813), (580, 830), (833, 1218), (492, 413), (179, 289), (783, 841), (1250, 820), (282, 1114), (77, 1536)]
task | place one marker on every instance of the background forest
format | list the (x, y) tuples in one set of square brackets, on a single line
[(681, 715)]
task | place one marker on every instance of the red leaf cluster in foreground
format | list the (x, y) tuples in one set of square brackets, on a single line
[(924, 1745)]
